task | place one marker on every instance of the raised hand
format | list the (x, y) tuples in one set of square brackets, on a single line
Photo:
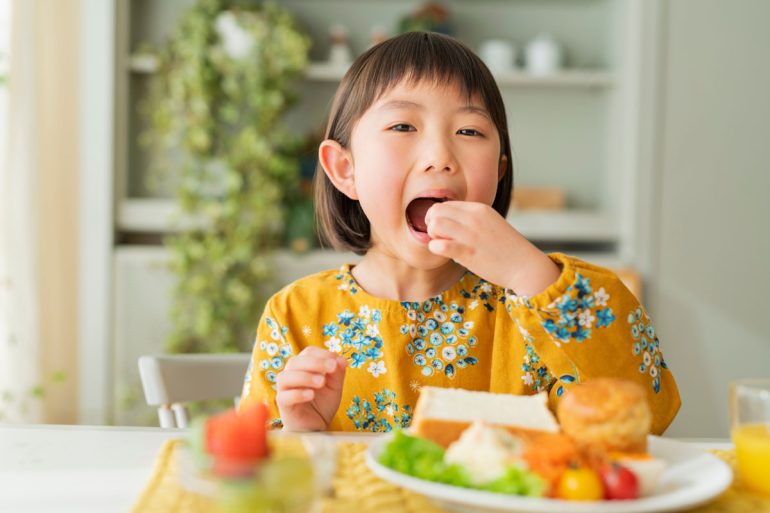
[(477, 237), (309, 389)]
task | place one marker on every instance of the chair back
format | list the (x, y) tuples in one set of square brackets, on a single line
[(169, 381)]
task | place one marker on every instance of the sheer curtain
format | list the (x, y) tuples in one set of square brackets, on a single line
[(20, 348)]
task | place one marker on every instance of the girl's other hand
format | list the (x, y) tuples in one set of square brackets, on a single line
[(477, 237), (309, 389)]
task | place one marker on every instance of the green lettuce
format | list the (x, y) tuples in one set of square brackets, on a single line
[(424, 459)]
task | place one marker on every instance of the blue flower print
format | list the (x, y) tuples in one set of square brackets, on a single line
[(381, 416), (604, 317), (274, 353), (346, 280), (443, 326), (572, 316), (345, 317), (356, 336), (357, 360), (646, 346), (535, 374), (485, 293), (329, 330), (565, 379)]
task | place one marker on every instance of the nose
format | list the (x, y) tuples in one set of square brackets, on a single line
[(439, 155)]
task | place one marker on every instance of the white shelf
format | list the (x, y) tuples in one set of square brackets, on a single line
[(325, 72), (565, 225), (567, 77), (160, 215), (151, 215)]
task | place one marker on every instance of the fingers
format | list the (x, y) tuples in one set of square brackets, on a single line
[(442, 227), (299, 379), (315, 359), (460, 253), (312, 369), (459, 210), (293, 397), (337, 378)]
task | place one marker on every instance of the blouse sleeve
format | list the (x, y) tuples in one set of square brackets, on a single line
[(588, 324), (272, 349)]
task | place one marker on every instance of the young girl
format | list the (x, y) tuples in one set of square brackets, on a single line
[(415, 175)]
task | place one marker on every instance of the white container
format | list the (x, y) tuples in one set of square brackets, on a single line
[(543, 55), (498, 54)]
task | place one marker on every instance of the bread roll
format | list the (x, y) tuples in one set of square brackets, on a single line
[(606, 414)]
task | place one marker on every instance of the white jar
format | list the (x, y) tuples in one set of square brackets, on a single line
[(543, 55), (498, 54)]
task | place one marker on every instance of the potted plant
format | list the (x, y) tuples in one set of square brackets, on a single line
[(224, 81)]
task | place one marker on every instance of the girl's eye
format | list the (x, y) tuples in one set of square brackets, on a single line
[(469, 131), (403, 127)]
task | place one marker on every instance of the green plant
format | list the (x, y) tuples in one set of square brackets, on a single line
[(215, 116)]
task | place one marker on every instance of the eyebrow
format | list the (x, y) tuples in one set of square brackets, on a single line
[(406, 104)]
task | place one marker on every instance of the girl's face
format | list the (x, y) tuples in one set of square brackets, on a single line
[(421, 141)]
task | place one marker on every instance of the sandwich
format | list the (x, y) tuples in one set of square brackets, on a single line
[(442, 414)]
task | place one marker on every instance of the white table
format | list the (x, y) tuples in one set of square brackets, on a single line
[(84, 469), (90, 469)]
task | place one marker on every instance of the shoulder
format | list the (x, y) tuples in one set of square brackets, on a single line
[(307, 291)]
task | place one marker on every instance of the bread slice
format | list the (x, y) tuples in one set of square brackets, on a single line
[(442, 414)]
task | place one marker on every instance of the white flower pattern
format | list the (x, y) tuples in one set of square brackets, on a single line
[(334, 345), (377, 368)]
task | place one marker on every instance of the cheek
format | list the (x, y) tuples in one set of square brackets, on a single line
[(482, 178), (379, 182)]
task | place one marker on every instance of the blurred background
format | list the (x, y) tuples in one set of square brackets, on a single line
[(156, 157)]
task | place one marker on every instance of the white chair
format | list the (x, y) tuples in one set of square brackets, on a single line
[(169, 381)]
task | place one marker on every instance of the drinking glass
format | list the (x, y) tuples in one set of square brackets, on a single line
[(750, 417)]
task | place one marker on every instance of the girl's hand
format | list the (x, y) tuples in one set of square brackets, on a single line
[(477, 237), (310, 389)]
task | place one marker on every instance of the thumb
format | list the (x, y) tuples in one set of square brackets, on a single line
[(335, 379)]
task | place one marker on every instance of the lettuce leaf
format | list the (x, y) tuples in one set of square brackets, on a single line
[(424, 459)]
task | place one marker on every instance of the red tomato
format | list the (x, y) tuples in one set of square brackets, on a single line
[(619, 482), (237, 440)]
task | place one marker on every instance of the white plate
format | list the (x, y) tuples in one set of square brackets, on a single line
[(692, 477)]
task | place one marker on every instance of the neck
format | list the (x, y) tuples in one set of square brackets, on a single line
[(388, 277)]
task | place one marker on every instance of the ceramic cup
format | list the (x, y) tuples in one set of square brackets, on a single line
[(543, 55), (498, 54)]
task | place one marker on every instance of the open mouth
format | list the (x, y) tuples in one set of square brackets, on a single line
[(416, 210)]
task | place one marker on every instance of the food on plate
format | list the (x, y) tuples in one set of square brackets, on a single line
[(513, 444), (606, 414), (549, 455), (646, 468), (442, 414), (579, 484), (619, 482), (425, 459), (486, 452)]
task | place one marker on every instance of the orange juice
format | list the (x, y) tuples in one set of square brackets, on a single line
[(752, 449)]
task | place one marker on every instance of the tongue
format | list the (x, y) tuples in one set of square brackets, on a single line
[(416, 213)]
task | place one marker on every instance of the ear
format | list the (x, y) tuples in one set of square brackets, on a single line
[(503, 167), (337, 163)]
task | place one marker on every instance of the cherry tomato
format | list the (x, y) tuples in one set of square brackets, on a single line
[(579, 484), (619, 482), (237, 440)]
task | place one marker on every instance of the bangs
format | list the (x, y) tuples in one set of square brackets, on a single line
[(413, 58)]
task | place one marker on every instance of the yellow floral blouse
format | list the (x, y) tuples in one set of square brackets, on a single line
[(475, 335)]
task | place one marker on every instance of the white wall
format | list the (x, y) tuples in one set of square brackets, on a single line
[(711, 220)]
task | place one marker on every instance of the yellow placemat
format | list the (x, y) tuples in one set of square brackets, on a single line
[(357, 490)]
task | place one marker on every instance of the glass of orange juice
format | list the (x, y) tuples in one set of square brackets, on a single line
[(750, 416)]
